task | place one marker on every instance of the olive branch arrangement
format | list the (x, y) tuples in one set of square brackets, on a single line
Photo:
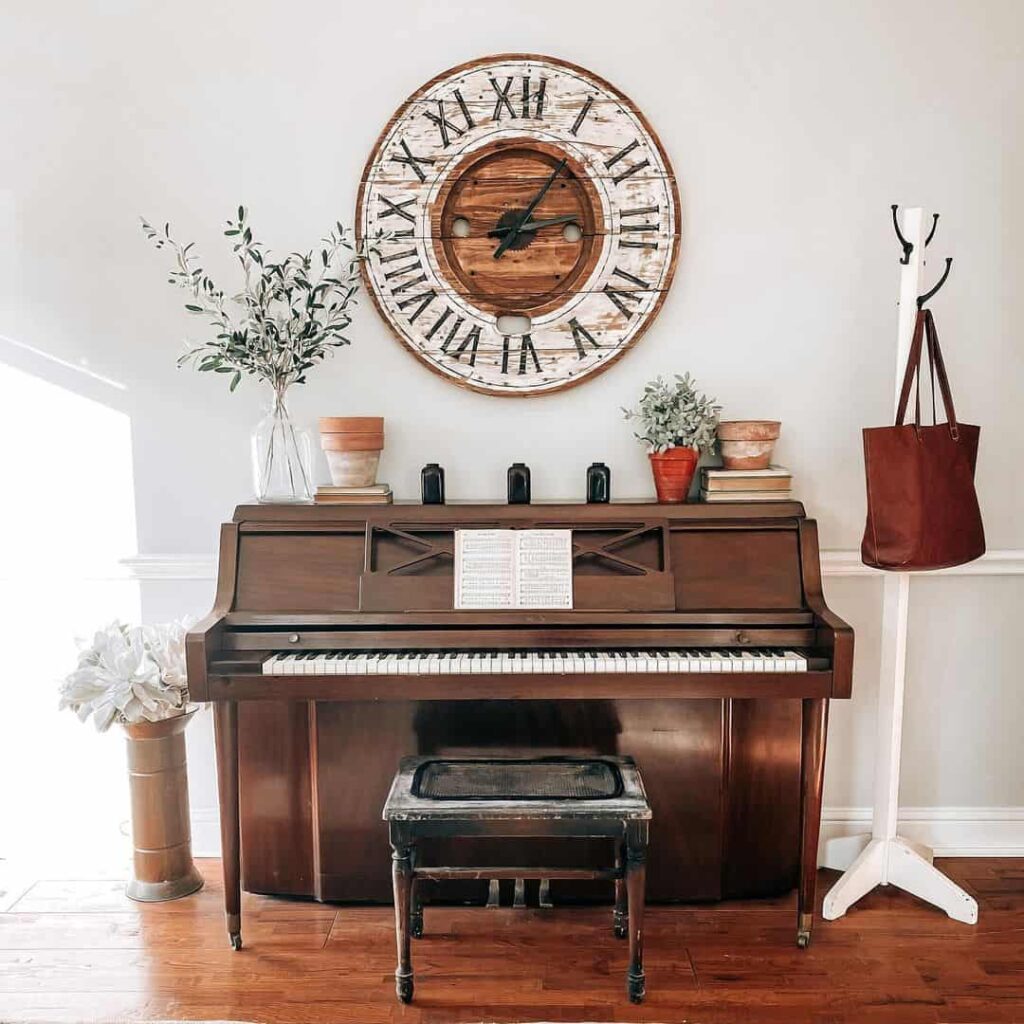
[(290, 314)]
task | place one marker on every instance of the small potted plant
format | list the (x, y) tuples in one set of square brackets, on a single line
[(678, 423), (135, 676), (290, 315)]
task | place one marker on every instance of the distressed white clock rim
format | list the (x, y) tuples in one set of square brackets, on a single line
[(483, 134)]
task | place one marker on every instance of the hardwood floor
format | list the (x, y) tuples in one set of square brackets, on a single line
[(80, 951)]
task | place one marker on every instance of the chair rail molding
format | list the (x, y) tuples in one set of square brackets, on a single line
[(835, 564)]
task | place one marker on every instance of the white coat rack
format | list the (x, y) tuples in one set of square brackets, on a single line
[(886, 858)]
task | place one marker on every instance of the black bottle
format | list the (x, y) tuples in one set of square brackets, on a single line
[(519, 484), (432, 484), (599, 484)]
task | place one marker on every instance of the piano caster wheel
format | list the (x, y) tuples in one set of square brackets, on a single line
[(416, 926), (620, 929), (636, 988), (403, 988), (236, 941), (803, 938)]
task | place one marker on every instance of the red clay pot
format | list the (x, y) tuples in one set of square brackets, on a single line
[(673, 473)]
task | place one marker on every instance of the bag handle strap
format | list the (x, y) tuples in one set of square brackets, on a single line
[(936, 361), (911, 372)]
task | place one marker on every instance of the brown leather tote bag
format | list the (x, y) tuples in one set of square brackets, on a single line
[(922, 507)]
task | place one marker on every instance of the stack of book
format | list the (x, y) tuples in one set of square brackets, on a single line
[(375, 494), (772, 484)]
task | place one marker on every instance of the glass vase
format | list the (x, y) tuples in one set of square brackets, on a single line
[(282, 462)]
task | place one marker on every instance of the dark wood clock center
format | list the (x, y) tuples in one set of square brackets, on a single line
[(500, 189)]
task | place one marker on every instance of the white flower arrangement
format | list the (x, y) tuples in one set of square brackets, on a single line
[(129, 674)]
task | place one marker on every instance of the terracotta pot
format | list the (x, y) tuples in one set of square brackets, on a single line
[(673, 473), (352, 445), (353, 469), (161, 835), (351, 424), (352, 442), (748, 444)]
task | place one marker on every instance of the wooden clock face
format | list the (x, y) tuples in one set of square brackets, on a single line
[(526, 187)]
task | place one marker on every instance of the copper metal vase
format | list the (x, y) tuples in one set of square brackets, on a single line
[(161, 834)]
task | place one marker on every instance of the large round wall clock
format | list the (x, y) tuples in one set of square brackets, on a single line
[(519, 190)]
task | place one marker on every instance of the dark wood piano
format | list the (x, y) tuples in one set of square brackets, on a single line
[(699, 643)]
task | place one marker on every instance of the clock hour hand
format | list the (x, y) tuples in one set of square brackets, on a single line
[(514, 233), (534, 225)]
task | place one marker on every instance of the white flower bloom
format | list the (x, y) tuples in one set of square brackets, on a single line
[(129, 674)]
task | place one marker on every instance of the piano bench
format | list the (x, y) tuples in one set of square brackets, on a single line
[(553, 797)]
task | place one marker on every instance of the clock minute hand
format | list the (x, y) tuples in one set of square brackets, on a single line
[(534, 225), (512, 235)]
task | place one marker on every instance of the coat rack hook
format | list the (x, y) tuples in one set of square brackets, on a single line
[(908, 247), (931, 234), (922, 299)]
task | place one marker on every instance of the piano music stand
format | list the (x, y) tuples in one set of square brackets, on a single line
[(885, 857)]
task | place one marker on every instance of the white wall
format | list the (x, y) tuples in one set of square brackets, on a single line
[(792, 126)]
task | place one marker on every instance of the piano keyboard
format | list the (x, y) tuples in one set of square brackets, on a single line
[(457, 663)]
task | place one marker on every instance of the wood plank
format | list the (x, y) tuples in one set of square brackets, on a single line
[(890, 960), (554, 618), (526, 638), (598, 687)]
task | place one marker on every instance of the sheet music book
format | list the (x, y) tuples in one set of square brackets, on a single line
[(513, 568)]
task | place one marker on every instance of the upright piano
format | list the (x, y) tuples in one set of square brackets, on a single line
[(699, 642)]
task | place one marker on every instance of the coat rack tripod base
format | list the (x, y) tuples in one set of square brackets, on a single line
[(884, 857)]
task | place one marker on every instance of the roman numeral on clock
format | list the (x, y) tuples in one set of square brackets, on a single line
[(401, 272), (526, 352), (470, 342), (618, 297), (424, 299), (411, 160), (503, 100), (393, 257), (439, 322), (580, 335), (647, 226), (393, 209), (632, 168), (444, 126), (581, 116), (397, 289)]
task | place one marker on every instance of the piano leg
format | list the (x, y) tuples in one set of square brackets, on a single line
[(812, 775), (225, 724)]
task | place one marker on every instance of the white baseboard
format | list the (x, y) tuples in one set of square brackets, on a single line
[(205, 832), (949, 831)]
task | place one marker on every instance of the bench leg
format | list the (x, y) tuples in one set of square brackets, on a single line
[(402, 877), (619, 927), (416, 919), (636, 876)]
